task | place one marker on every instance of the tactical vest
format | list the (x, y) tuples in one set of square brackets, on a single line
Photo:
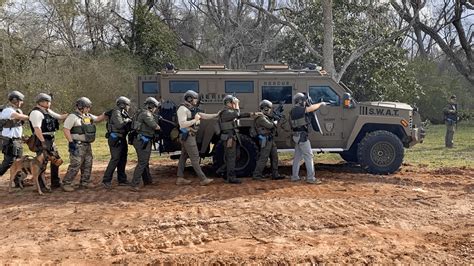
[(228, 126), (452, 117), (298, 119), (114, 128), (140, 126), (11, 123), (86, 128), (193, 111), (49, 123), (262, 130)]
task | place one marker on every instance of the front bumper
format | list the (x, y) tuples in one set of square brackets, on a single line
[(417, 136)]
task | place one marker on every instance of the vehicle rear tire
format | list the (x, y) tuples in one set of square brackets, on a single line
[(247, 160), (380, 152), (350, 156)]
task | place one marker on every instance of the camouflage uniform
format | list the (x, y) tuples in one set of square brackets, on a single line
[(450, 119), (83, 134), (265, 126), (144, 124), (229, 122), (118, 126)]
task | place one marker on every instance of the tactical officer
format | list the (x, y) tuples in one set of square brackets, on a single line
[(266, 126), (144, 125), (80, 131), (229, 123), (12, 119), (44, 123), (300, 127), (189, 118), (450, 119), (118, 125)]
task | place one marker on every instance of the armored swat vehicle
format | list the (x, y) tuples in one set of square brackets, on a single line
[(373, 134)]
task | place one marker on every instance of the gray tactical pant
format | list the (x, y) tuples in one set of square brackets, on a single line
[(118, 160), (270, 150), (448, 139), (142, 170), (303, 151), (81, 159), (189, 149)]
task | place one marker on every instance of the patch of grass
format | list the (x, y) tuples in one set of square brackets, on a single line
[(430, 153), (433, 154)]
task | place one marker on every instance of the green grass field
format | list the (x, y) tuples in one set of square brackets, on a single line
[(430, 153)]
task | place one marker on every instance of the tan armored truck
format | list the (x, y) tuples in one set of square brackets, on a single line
[(373, 134)]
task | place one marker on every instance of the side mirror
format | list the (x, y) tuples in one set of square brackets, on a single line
[(348, 101)]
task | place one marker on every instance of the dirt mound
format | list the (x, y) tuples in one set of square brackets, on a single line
[(353, 217)]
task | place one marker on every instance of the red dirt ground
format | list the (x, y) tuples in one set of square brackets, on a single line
[(415, 216)]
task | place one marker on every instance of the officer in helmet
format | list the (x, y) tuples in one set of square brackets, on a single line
[(450, 112), (44, 123), (266, 126), (12, 119), (118, 126), (144, 126), (80, 131), (189, 119), (229, 123), (300, 127)]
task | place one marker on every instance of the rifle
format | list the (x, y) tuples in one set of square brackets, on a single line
[(278, 112)]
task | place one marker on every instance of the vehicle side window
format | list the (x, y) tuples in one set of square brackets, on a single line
[(323, 94), (150, 87), (181, 86), (277, 94), (238, 86)]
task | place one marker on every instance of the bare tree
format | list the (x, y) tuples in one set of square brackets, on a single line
[(458, 48), (327, 56)]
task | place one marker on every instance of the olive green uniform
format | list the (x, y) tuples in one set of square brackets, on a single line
[(229, 123), (450, 119), (266, 127), (118, 126), (144, 124)]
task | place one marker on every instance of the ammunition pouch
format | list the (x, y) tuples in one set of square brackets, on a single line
[(227, 125), (299, 136), (88, 130), (295, 123)]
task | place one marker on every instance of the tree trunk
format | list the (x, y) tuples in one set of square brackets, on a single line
[(328, 42)]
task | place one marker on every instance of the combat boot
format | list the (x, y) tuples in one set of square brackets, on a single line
[(314, 181), (234, 180), (277, 176), (258, 178), (86, 186), (182, 181), (206, 181), (68, 188)]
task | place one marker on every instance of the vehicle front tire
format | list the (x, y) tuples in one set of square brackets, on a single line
[(380, 152), (246, 157)]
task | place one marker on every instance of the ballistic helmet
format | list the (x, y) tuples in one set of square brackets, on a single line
[(265, 104), (43, 97), (230, 99), (83, 102), (300, 98), (122, 101), (190, 95), (16, 95), (151, 102)]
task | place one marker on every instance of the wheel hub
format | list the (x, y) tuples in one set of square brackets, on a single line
[(382, 154)]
